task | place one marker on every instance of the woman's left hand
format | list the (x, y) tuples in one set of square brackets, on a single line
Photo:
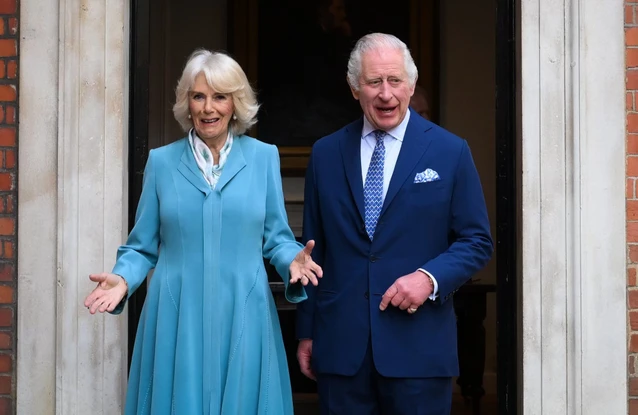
[(303, 269)]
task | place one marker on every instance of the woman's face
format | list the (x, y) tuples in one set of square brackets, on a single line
[(210, 111)]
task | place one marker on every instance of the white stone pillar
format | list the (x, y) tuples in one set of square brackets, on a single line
[(73, 203), (574, 343)]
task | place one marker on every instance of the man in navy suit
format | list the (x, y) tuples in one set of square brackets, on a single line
[(395, 205)]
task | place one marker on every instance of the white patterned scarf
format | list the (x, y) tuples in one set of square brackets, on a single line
[(204, 157)]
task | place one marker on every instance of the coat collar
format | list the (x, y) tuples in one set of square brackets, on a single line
[(188, 167)]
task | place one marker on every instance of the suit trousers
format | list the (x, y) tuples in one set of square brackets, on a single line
[(370, 393)]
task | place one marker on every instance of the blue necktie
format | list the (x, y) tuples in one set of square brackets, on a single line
[(373, 188)]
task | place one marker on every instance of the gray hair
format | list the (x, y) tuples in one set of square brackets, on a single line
[(374, 41), (225, 76)]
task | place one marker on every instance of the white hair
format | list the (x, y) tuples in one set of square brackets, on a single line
[(375, 41), (225, 76)]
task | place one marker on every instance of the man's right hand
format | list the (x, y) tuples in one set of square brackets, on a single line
[(304, 356)]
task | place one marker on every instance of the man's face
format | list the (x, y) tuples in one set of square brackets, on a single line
[(384, 89)]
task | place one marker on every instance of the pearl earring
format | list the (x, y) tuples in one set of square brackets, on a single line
[(189, 116), (234, 117)]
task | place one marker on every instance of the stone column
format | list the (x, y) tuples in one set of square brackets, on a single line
[(73, 203), (574, 343)]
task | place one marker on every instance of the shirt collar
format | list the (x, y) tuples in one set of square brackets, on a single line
[(397, 132)]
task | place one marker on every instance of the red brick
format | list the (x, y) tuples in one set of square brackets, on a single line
[(633, 407), (632, 123), (631, 366), (12, 69), (7, 136), (632, 299), (633, 320), (631, 36), (9, 204), (8, 47), (13, 25), (6, 181), (632, 143), (633, 386), (632, 231), (629, 14), (6, 317), (5, 385), (629, 105), (8, 93), (8, 249), (6, 294), (631, 277), (629, 188), (631, 77), (6, 272), (633, 343), (632, 58), (9, 159), (8, 6), (5, 363), (6, 406), (632, 166), (5, 340), (10, 114), (7, 226), (632, 208), (633, 254)]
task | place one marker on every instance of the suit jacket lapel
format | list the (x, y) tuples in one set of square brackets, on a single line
[(234, 164), (351, 156), (188, 168), (415, 143)]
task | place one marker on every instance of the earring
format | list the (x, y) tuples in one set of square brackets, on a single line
[(189, 116), (234, 117)]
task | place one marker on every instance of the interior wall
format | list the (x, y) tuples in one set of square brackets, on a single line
[(467, 108)]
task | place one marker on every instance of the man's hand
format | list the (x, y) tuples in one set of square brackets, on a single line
[(304, 356), (408, 292)]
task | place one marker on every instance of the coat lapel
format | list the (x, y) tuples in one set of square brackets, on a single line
[(415, 143), (351, 155), (188, 168), (234, 164)]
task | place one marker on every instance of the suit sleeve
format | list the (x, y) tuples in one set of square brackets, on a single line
[(312, 229), (471, 246), (139, 255), (279, 244)]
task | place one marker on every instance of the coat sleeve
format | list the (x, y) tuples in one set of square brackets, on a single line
[(312, 229), (471, 243), (279, 244), (139, 255)]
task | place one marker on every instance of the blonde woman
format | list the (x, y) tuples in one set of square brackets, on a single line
[(211, 209)]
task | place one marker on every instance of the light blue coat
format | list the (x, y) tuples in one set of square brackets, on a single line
[(209, 340)]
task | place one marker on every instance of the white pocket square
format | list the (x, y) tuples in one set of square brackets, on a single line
[(428, 175)]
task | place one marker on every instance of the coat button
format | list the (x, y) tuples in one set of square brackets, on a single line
[(373, 258)]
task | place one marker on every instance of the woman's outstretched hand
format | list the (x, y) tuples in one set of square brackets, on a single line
[(303, 269), (109, 292)]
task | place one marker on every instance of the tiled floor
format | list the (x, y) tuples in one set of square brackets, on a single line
[(307, 405)]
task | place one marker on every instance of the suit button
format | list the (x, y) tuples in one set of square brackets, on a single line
[(366, 295), (373, 258)]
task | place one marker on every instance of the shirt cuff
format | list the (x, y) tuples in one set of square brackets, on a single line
[(435, 290)]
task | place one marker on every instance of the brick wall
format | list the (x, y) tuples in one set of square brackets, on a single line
[(9, 30), (631, 41)]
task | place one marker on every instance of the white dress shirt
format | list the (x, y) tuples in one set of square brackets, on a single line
[(392, 142)]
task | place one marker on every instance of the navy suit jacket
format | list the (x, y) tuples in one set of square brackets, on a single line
[(440, 226)]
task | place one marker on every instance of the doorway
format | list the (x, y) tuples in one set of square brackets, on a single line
[(465, 56)]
